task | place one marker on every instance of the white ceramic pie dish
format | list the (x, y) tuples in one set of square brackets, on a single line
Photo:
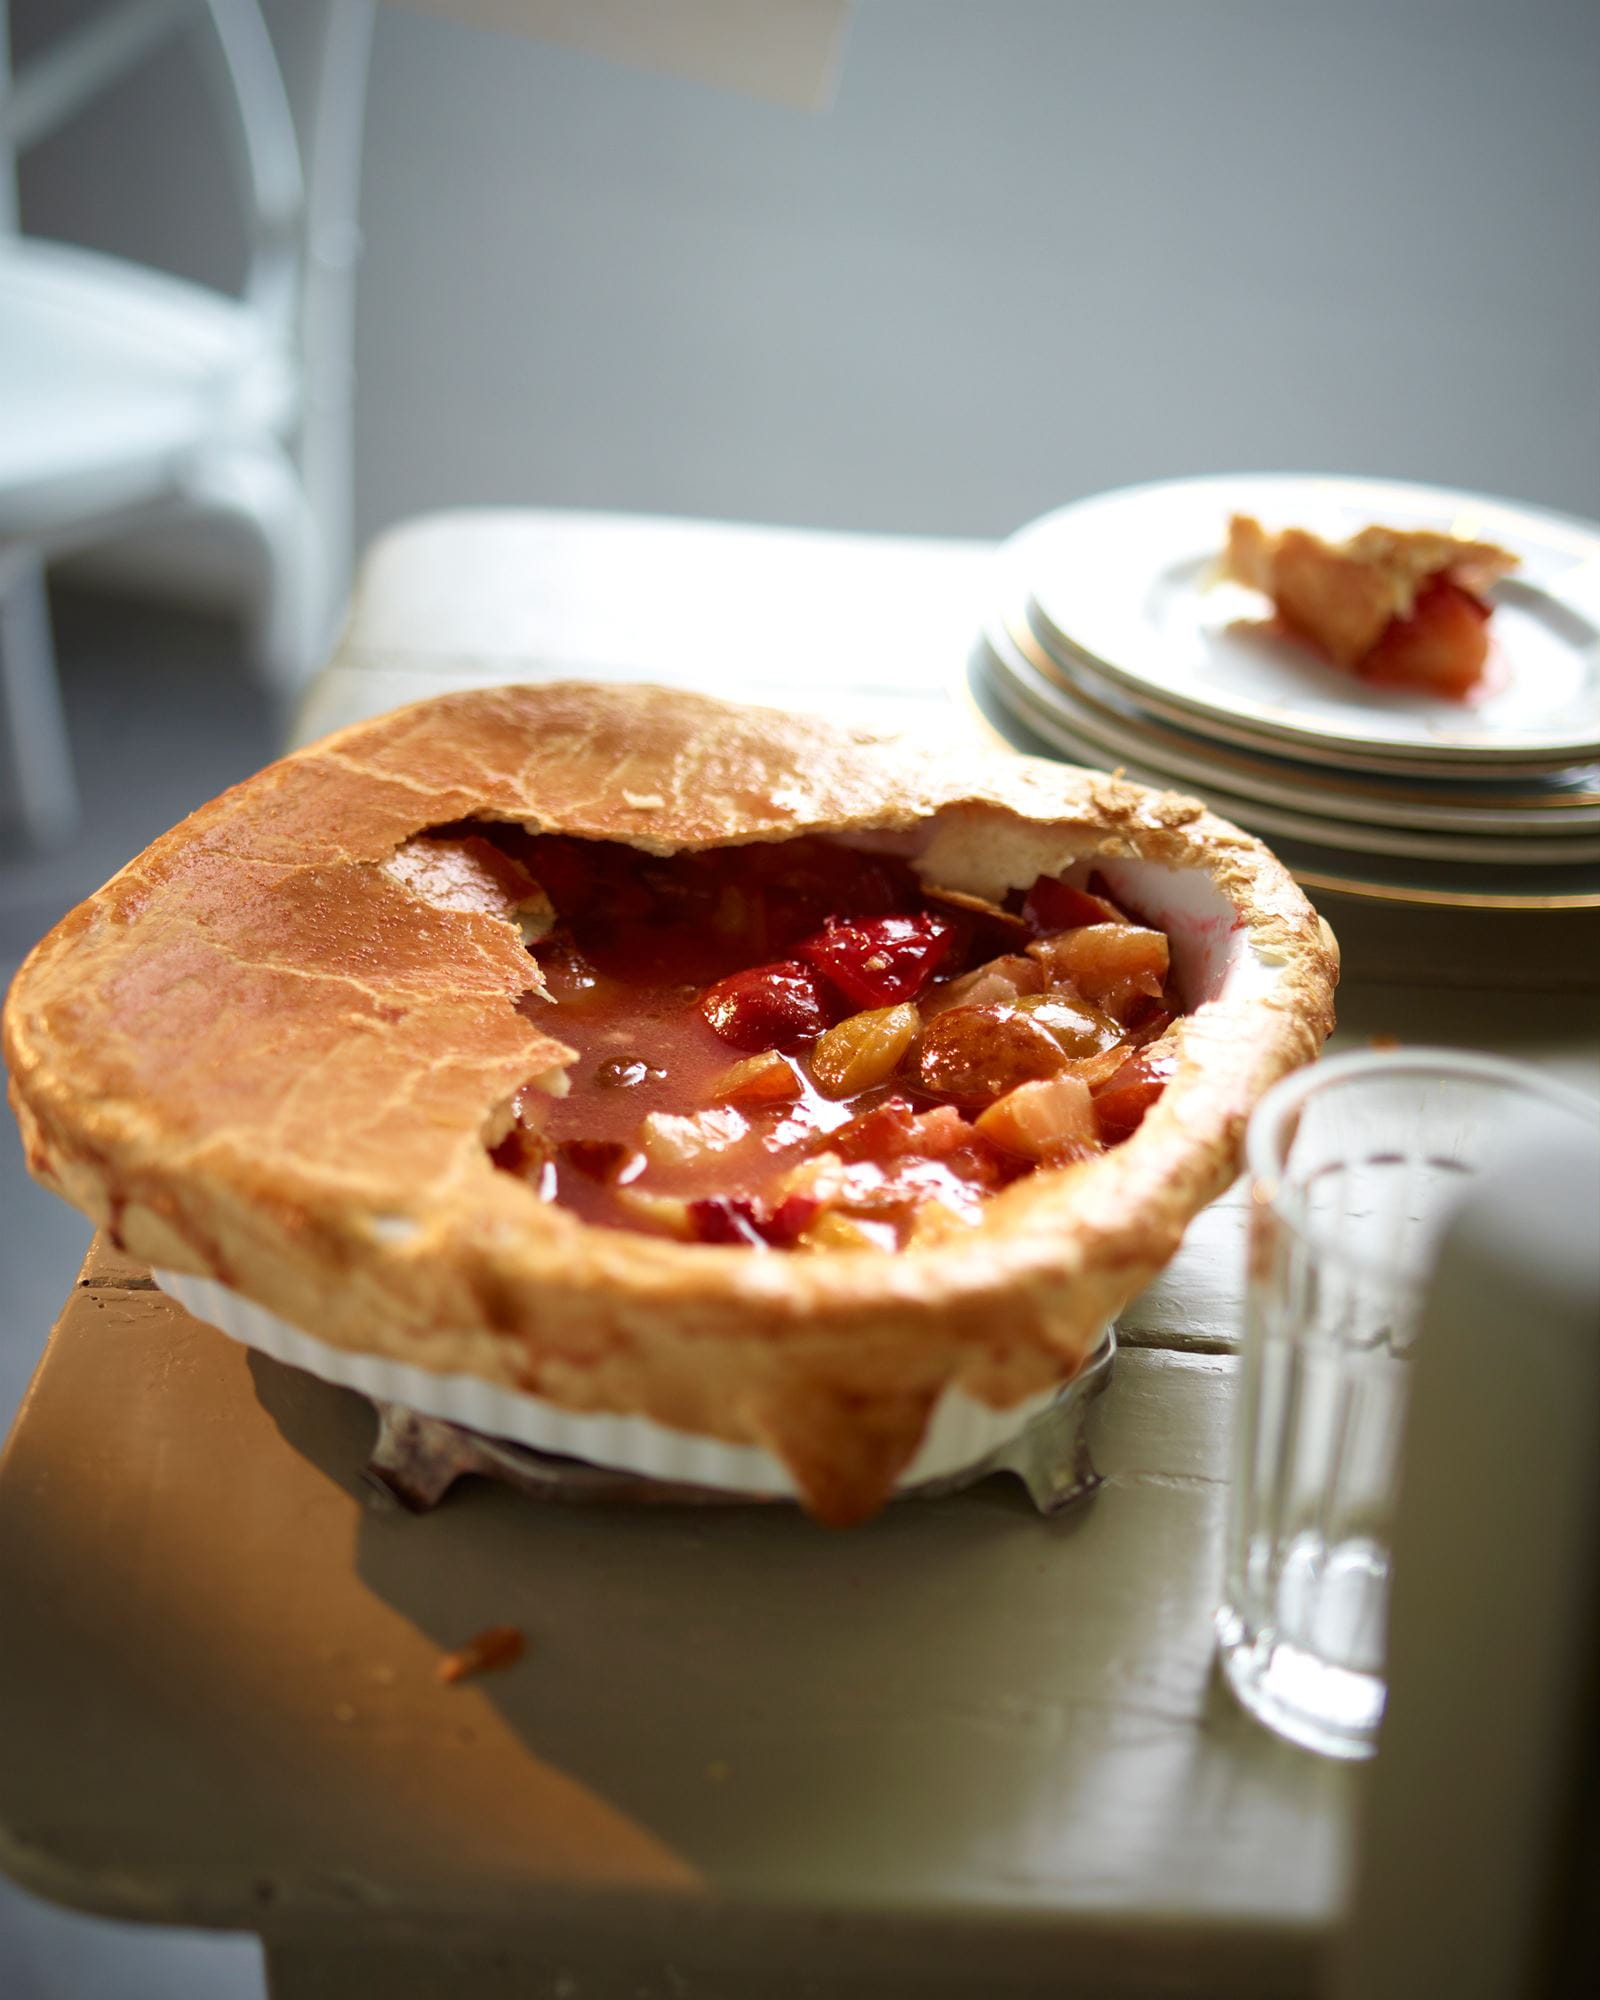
[(1213, 958), (960, 1433)]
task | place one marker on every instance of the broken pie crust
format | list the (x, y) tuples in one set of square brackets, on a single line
[(260, 1054)]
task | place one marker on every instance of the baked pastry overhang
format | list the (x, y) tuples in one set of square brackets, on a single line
[(256, 1056)]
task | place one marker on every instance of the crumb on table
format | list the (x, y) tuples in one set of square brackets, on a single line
[(495, 1647)]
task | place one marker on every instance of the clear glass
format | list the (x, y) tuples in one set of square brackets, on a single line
[(1356, 1166)]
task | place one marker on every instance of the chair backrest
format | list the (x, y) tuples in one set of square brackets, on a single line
[(8, 163), (58, 82), (296, 189)]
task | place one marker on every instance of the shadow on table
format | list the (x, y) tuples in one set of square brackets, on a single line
[(959, 1690)]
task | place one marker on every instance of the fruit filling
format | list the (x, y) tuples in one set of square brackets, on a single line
[(802, 1046)]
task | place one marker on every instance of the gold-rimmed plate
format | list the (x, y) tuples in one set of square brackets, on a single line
[(1413, 881), (1534, 808), (1126, 584)]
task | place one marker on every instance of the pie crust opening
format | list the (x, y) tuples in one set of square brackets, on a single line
[(808, 1045)]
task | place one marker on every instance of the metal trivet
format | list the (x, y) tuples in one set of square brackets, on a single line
[(417, 1459)]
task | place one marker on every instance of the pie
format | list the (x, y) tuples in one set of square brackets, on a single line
[(928, 1059), (1399, 607)]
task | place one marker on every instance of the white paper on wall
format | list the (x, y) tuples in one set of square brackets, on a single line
[(786, 50)]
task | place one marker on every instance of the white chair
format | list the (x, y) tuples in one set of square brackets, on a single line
[(128, 396)]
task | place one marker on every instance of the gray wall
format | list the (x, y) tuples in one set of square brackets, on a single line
[(1034, 250)]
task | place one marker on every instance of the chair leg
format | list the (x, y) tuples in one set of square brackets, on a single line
[(38, 793), (262, 490)]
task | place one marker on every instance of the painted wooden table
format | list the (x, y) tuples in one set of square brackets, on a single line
[(963, 1750)]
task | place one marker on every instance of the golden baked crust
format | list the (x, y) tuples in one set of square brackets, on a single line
[(260, 1055), (1343, 595)]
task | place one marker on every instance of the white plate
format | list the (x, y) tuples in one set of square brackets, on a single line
[(1321, 871), (1127, 580), (1037, 701), (1095, 709), (1346, 757), (1321, 854)]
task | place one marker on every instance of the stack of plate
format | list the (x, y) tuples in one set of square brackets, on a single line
[(1115, 645)]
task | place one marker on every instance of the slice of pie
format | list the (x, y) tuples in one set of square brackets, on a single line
[(664, 1058), (1396, 606)]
